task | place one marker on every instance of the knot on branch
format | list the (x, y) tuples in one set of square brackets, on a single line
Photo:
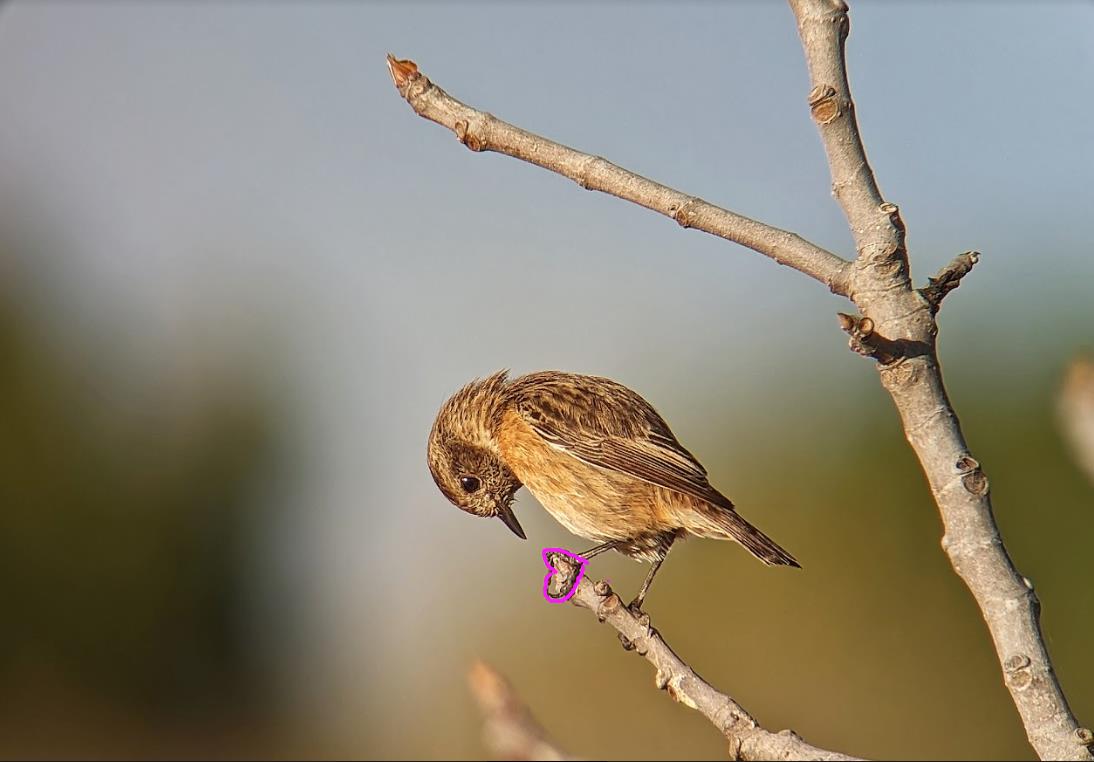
[(892, 211), (824, 104), (684, 214), (609, 603), (1017, 669), (866, 342), (591, 167), (973, 478), (948, 278), (472, 136)]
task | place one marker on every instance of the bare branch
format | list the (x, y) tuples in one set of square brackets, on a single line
[(876, 224), (1076, 411), (881, 288), (948, 278), (747, 740), (510, 731), (480, 131), (897, 328)]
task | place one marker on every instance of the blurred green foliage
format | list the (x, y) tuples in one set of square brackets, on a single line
[(125, 531)]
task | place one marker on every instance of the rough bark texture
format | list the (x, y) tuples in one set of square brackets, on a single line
[(902, 317), (896, 328)]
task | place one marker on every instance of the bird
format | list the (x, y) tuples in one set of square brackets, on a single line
[(597, 457)]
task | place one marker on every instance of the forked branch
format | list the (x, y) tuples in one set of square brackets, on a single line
[(901, 317), (897, 328)]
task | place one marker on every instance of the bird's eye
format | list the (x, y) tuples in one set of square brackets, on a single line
[(469, 483)]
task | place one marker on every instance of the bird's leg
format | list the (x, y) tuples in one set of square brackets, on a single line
[(597, 550), (636, 604)]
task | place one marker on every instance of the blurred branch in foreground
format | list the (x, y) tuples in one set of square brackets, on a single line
[(510, 731), (1076, 411)]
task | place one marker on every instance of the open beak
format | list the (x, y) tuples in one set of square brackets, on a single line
[(510, 520)]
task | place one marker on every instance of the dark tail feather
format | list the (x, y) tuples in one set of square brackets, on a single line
[(733, 526)]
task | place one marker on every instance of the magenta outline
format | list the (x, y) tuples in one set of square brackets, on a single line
[(546, 580)]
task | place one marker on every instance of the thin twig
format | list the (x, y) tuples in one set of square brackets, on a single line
[(881, 288), (510, 731), (948, 278), (480, 131), (747, 740)]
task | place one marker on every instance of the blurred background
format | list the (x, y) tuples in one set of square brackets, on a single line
[(238, 276)]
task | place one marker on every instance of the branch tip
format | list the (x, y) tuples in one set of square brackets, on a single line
[(403, 71), (486, 684)]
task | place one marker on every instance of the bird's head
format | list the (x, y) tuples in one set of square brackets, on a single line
[(463, 456)]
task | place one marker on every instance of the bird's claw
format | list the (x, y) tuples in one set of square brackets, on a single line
[(635, 607)]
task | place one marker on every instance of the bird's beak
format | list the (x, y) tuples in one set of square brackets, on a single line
[(505, 513)]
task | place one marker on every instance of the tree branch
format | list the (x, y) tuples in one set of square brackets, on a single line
[(902, 317), (747, 740), (510, 731), (480, 131), (948, 278), (875, 223), (897, 328)]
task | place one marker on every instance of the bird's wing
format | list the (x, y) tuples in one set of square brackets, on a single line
[(607, 425)]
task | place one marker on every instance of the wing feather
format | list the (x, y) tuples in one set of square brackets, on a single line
[(605, 424)]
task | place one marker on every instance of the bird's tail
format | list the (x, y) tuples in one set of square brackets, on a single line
[(727, 524)]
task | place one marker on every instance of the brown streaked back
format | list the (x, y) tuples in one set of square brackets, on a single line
[(605, 424)]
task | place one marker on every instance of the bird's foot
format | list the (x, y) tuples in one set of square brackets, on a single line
[(635, 607)]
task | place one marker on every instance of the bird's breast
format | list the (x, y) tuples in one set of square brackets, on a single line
[(590, 502)]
